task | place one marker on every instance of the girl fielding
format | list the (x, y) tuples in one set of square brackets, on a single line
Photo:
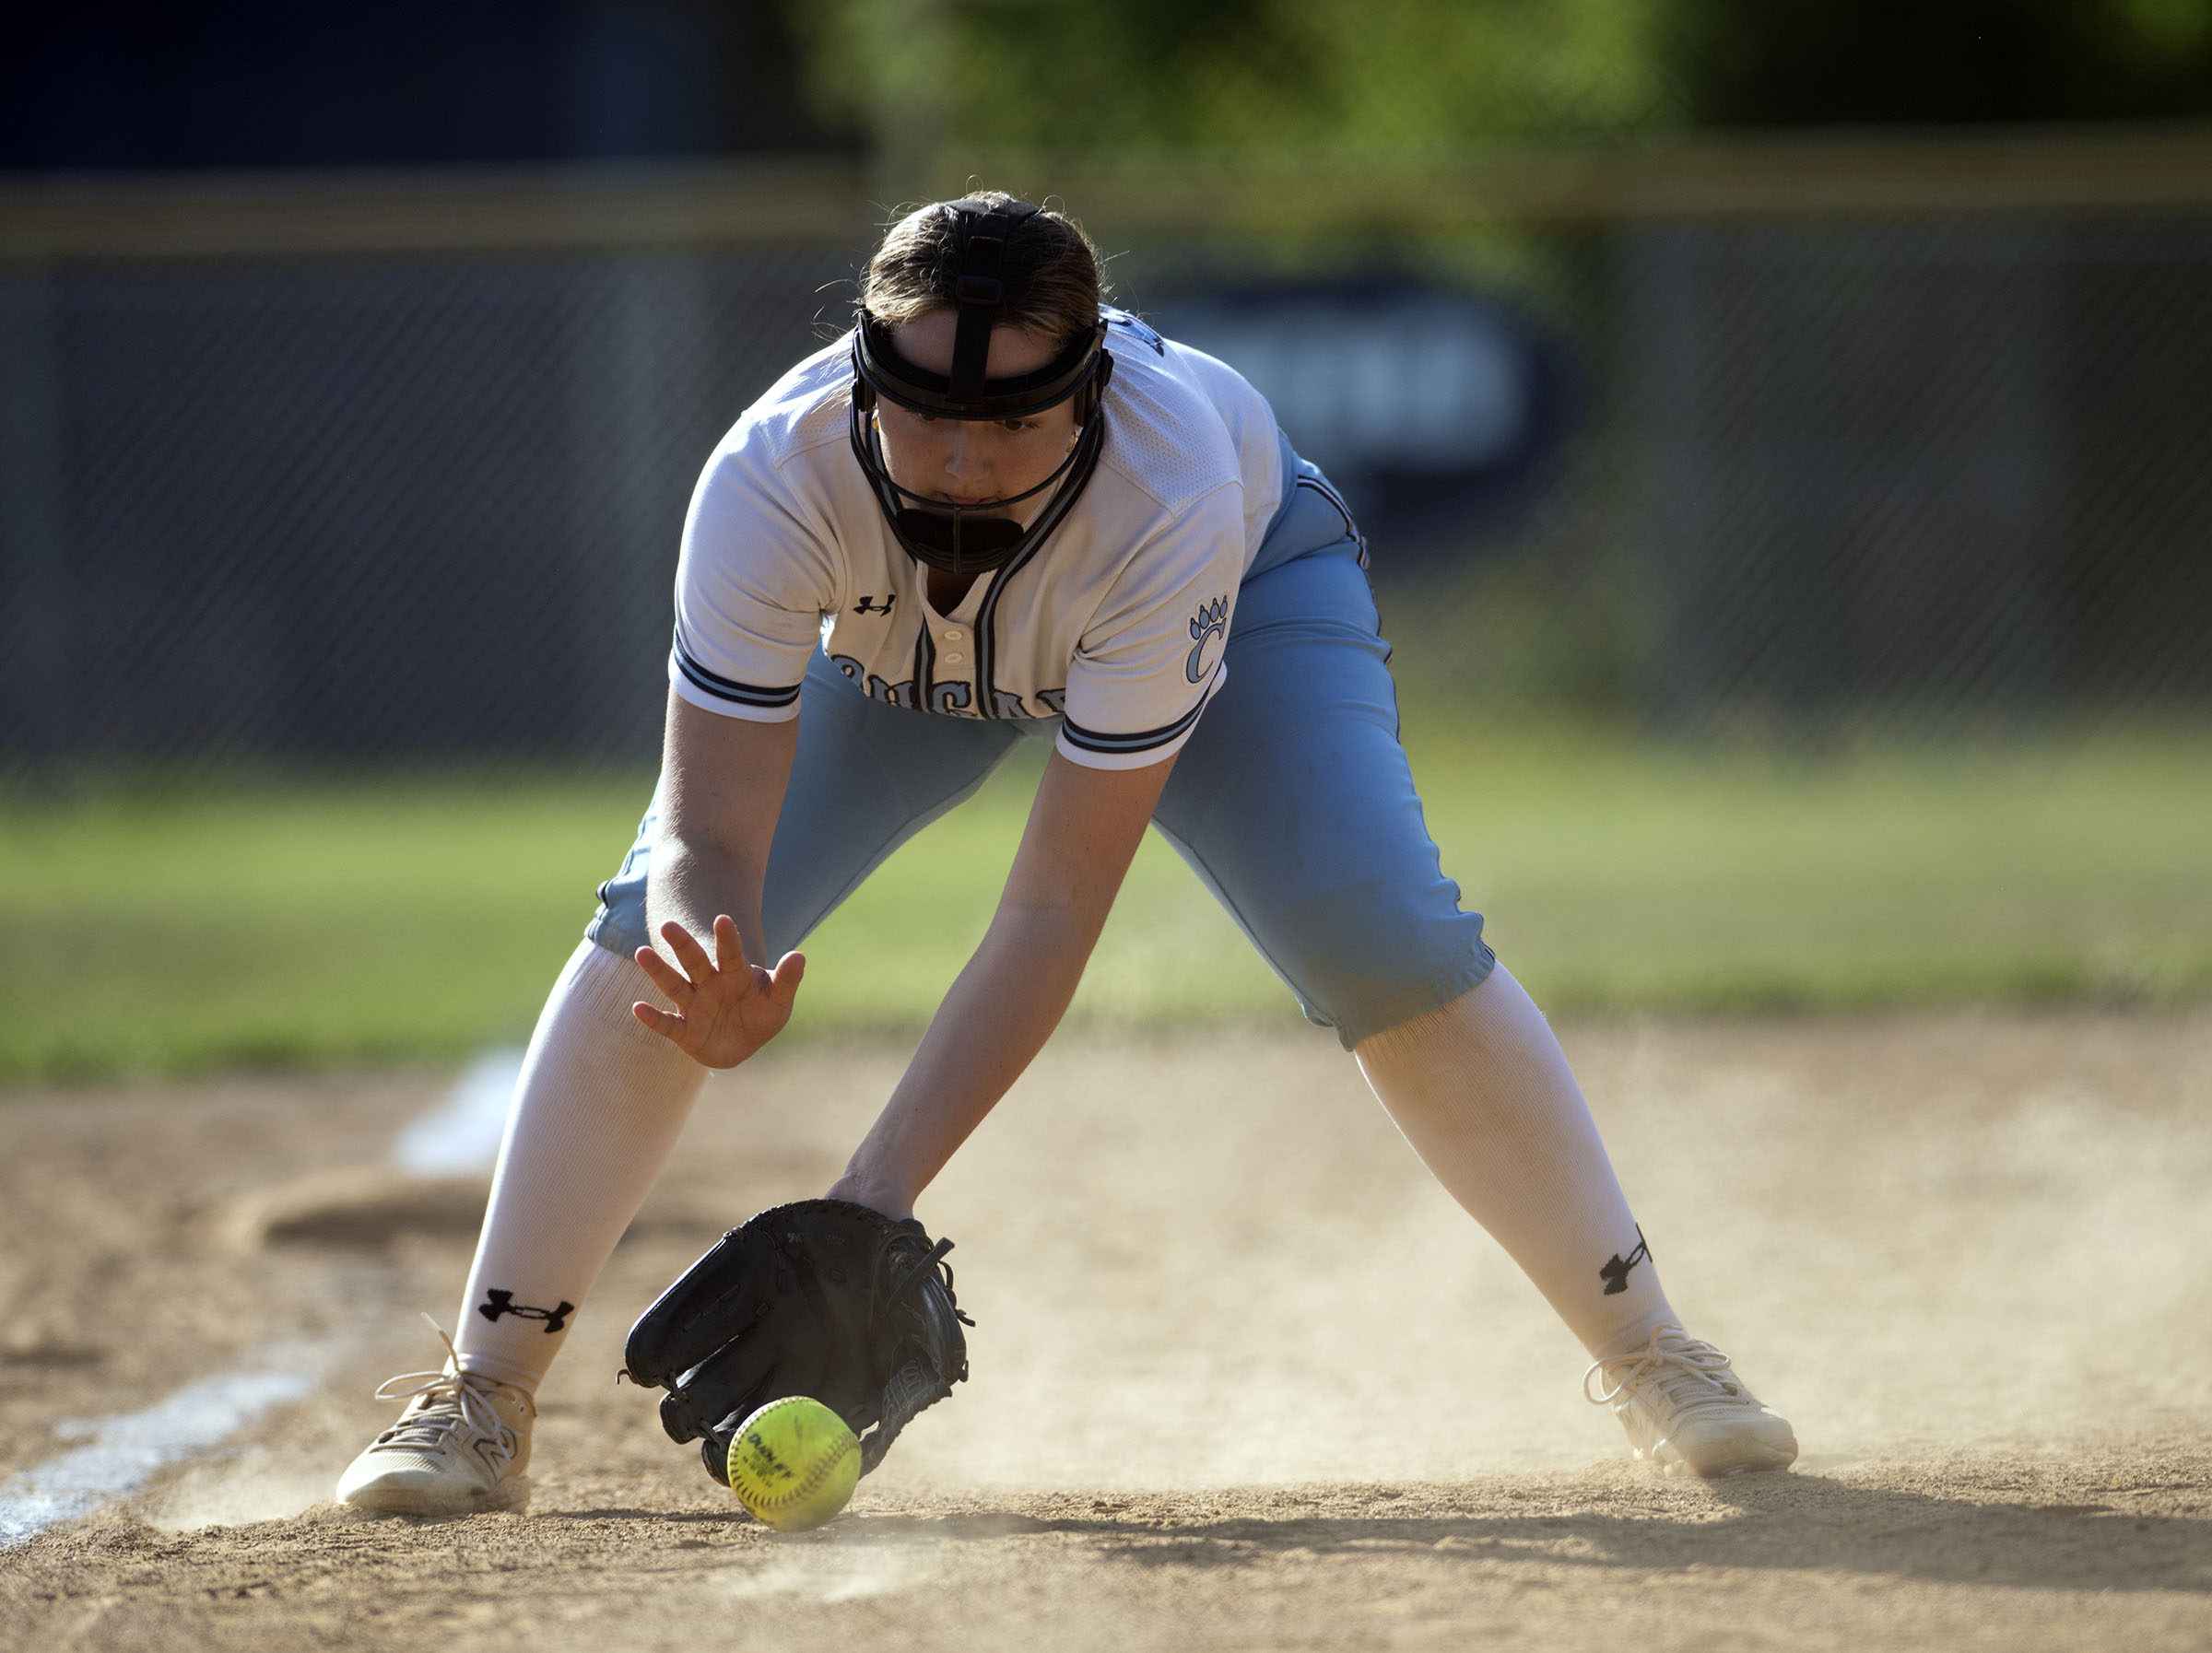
[(1001, 511)]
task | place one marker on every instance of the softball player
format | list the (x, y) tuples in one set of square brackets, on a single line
[(1000, 512)]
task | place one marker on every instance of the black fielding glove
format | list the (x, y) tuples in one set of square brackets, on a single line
[(823, 1298)]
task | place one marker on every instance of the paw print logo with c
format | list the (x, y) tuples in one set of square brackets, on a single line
[(1211, 621)]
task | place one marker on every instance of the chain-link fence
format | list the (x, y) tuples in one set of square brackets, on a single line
[(368, 506), (1801, 473), (1923, 469)]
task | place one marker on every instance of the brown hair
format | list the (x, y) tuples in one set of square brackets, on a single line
[(1049, 268)]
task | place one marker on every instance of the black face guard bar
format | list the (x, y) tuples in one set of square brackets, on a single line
[(878, 367), (970, 539), (975, 539)]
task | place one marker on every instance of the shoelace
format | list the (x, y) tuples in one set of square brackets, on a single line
[(453, 1390), (1686, 1371)]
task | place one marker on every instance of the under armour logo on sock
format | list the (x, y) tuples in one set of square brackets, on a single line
[(1615, 1273), (496, 1303)]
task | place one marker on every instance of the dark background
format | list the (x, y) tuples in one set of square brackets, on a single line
[(1796, 469), (257, 84), (397, 83)]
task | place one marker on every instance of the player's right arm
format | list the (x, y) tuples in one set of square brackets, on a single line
[(756, 572), (722, 789)]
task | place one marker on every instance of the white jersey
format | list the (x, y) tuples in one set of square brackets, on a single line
[(1115, 623)]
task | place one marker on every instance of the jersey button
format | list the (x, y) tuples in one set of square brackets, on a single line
[(953, 657)]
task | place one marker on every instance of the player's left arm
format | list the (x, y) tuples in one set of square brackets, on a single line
[(1083, 829)]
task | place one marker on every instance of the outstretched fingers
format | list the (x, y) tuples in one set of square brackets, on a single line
[(664, 1023), (688, 953), (729, 947), (783, 984), (681, 986), (665, 976), (726, 1007)]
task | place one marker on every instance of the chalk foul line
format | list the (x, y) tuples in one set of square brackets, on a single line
[(458, 1137), (121, 1452)]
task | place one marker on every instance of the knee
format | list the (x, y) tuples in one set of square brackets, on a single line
[(1368, 955)]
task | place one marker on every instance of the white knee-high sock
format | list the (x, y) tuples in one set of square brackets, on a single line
[(1482, 1091), (596, 1112)]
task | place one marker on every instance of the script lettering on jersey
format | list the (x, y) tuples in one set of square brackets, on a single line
[(890, 694), (1211, 621), (952, 699), (868, 606)]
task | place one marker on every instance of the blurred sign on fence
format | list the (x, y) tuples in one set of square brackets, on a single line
[(1430, 409), (396, 467)]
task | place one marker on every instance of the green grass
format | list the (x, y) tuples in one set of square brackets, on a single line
[(401, 918)]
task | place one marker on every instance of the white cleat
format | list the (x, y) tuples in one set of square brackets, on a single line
[(1685, 1410), (460, 1446)]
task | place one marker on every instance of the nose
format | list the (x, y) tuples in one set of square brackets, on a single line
[(967, 461)]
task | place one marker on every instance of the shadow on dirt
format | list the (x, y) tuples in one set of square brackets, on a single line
[(1778, 1522)]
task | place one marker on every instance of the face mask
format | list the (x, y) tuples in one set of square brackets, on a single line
[(976, 539)]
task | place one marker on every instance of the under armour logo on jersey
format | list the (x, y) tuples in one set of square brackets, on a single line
[(1210, 621), (496, 1303), (868, 606), (1615, 1273)]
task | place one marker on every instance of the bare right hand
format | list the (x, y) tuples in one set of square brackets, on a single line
[(726, 1008)]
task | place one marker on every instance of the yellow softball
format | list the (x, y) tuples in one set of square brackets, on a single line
[(794, 1463)]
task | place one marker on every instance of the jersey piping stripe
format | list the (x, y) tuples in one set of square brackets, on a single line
[(1090, 740), (986, 633), (986, 613), (726, 688), (1344, 511)]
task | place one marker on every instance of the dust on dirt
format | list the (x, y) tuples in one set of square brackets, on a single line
[(1244, 1378)]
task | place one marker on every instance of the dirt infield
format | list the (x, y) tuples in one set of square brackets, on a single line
[(1243, 1378)]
